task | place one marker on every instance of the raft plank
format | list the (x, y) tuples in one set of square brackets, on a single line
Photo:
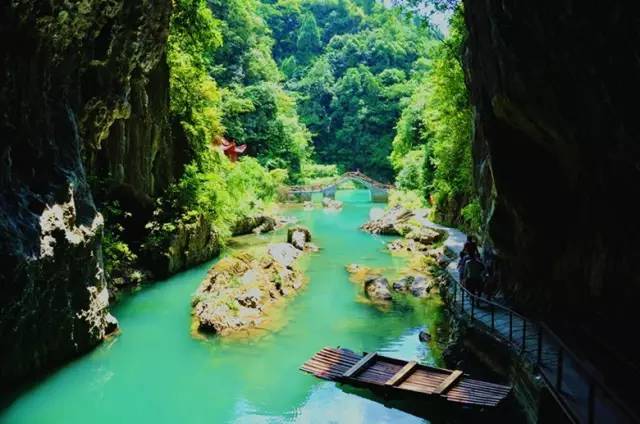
[(448, 382), (361, 363), (402, 374)]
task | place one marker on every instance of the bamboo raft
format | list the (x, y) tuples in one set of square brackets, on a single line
[(377, 371)]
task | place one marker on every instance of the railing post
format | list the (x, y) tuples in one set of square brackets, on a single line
[(473, 304), (510, 326), (592, 403), (524, 333), (559, 370), (539, 345), (461, 300), (493, 318), (455, 293)]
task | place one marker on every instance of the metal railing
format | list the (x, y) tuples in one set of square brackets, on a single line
[(578, 388)]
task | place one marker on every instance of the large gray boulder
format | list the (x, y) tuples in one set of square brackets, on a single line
[(419, 286), (388, 223), (283, 253), (253, 224), (332, 204), (377, 289), (298, 237)]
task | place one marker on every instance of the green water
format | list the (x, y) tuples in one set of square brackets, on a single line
[(156, 372)]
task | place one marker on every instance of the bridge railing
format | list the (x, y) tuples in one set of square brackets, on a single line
[(347, 175), (578, 388)]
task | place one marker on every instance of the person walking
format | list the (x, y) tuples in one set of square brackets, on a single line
[(473, 272), (471, 247), (461, 262)]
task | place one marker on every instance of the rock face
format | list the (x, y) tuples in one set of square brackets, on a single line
[(556, 150), (67, 74), (191, 243)]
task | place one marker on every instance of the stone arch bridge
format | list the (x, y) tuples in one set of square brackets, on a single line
[(379, 191)]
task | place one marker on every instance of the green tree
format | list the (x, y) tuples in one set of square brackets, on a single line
[(308, 43), (194, 96)]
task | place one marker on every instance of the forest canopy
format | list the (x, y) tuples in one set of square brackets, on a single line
[(315, 88)]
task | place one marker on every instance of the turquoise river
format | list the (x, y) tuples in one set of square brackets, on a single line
[(156, 371)]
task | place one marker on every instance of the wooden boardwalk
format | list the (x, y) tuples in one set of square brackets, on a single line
[(579, 389), (391, 374)]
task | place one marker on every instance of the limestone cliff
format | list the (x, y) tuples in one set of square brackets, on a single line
[(73, 76), (556, 148)]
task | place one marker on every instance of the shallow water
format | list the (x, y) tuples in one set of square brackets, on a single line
[(155, 371)]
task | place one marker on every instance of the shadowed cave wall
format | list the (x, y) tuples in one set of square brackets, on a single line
[(555, 90)]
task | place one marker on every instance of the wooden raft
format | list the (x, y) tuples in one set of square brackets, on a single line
[(375, 370)]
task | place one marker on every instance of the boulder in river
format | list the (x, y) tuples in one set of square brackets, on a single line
[(256, 224), (424, 235), (112, 324), (417, 285), (388, 223), (331, 204), (402, 285), (298, 237), (239, 289), (377, 288), (424, 336)]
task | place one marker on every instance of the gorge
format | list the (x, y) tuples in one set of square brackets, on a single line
[(514, 123)]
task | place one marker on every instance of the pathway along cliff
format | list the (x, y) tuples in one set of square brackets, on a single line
[(156, 371)]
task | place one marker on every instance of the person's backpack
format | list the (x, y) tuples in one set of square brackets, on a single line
[(474, 269)]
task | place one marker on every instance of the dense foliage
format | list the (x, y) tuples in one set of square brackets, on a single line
[(224, 83), (352, 66), (314, 88), (432, 147)]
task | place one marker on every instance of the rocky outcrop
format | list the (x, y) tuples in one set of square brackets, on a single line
[(556, 151), (299, 237), (188, 242), (421, 234), (389, 222), (417, 285), (67, 72), (377, 289), (331, 204), (254, 224), (239, 290)]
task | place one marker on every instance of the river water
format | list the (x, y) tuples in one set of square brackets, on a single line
[(156, 371)]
